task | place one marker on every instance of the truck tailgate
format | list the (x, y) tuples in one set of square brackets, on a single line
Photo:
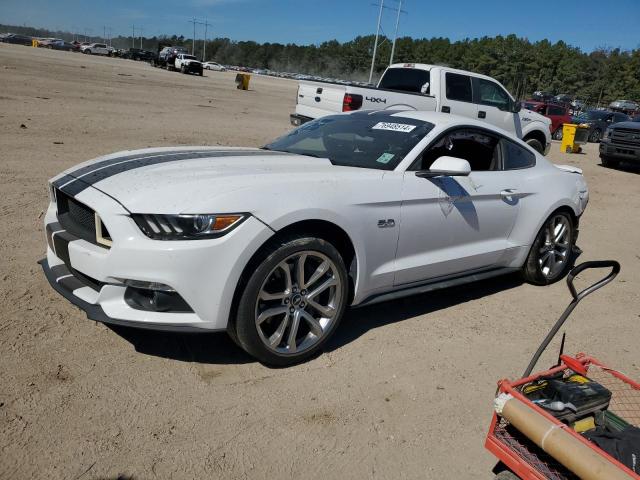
[(319, 99)]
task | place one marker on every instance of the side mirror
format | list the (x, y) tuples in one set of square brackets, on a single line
[(446, 167), (516, 107)]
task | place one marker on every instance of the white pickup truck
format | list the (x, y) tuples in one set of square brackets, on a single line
[(416, 86)]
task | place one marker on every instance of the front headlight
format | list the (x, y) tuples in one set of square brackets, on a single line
[(187, 227)]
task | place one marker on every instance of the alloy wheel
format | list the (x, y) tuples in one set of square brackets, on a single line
[(298, 302), (556, 248)]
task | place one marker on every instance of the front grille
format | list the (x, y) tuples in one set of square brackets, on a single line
[(625, 136), (75, 217)]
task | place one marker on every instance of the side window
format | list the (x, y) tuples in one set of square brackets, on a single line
[(618, 117), (490, 93), (475, 146), (515, 157), (458, 87), (555, 110)]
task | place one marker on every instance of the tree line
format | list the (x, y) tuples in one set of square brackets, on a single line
[(598, 77)]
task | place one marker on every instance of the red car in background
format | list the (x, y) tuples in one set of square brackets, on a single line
[(558, 114)]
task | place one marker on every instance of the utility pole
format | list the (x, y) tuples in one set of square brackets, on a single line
[(104, 34), (375, 45), (204, 44), (395, 34), (133, 35), (109, 30), (141, 31), (193, 43)]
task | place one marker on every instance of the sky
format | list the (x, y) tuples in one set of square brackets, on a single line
[(589, 24)]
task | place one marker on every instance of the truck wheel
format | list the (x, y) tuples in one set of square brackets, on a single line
[(609, 162), (182, 69), (201, 73), (87, 51), (536, 145)]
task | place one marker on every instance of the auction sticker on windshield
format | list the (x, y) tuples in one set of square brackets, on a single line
[(394, 127)]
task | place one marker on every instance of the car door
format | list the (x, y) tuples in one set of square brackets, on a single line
[(457, 95), (494, 104), (452, 225)]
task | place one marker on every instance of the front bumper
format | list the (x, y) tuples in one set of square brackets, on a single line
[(193, 68), (620, 152), (203, 273)]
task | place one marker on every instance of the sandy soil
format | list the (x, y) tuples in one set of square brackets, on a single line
[(403, 391)]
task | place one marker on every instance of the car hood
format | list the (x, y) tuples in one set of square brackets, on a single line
[(209, 179), (629, 125), (527, 115)]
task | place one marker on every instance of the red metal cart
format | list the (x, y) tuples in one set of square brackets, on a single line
[(520, 457)]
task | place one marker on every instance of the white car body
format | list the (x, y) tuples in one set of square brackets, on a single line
[(214, 66), (409, 234), (96, 49), (317, 99)]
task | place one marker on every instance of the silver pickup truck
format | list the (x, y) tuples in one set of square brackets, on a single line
[(416, 86)]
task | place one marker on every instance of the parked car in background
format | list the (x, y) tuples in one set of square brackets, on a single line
[(214, 66), (599, 121), (541, 96), (273, 244), (17, 39), (62, 45), (558, 114), (188, 64), (621, 143), (167, 56), (625, 106), (138, 54), (563, 98), (96, 49)]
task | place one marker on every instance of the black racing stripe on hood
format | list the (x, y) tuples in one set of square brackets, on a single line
[(112, 161), (77, 185)]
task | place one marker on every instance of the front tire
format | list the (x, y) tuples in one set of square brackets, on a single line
[(595, 136), (551, 253), (609, 162), (293, 301), (536, 145)]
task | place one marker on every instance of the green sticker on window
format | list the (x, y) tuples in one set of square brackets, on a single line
[(385, 158)]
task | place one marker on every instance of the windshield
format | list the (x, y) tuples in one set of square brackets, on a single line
[(364, 139), (405, 80), (593, 115)]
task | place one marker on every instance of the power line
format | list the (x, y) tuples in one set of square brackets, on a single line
[(395, 34), (375, 45)]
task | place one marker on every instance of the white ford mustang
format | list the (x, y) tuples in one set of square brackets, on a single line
[(273, 244)]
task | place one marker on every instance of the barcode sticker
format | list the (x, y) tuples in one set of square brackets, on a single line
[(394, 127)]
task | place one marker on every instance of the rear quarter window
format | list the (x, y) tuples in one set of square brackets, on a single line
[(515, 157)]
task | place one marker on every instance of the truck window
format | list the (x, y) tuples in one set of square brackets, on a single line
[(405, 80), (459, 87), (490, 93)]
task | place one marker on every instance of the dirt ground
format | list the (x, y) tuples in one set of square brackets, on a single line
[(404, 390)]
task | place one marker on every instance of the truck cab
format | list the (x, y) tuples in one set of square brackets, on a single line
[(429, 88)]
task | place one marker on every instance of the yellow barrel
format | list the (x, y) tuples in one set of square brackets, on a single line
[(242, 81), (573, 136)]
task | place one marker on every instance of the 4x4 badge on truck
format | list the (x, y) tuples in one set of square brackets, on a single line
[(376, 100)]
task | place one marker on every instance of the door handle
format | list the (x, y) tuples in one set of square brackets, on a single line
[(482, 114), (446, 109), (508, 192)]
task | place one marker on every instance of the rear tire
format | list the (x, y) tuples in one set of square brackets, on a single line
[(595, 136), (279, 321), (536, 145), (557, 135), (609, 162), (551, 254)]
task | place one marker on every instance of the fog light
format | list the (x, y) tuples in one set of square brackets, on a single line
[(160, 287)]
